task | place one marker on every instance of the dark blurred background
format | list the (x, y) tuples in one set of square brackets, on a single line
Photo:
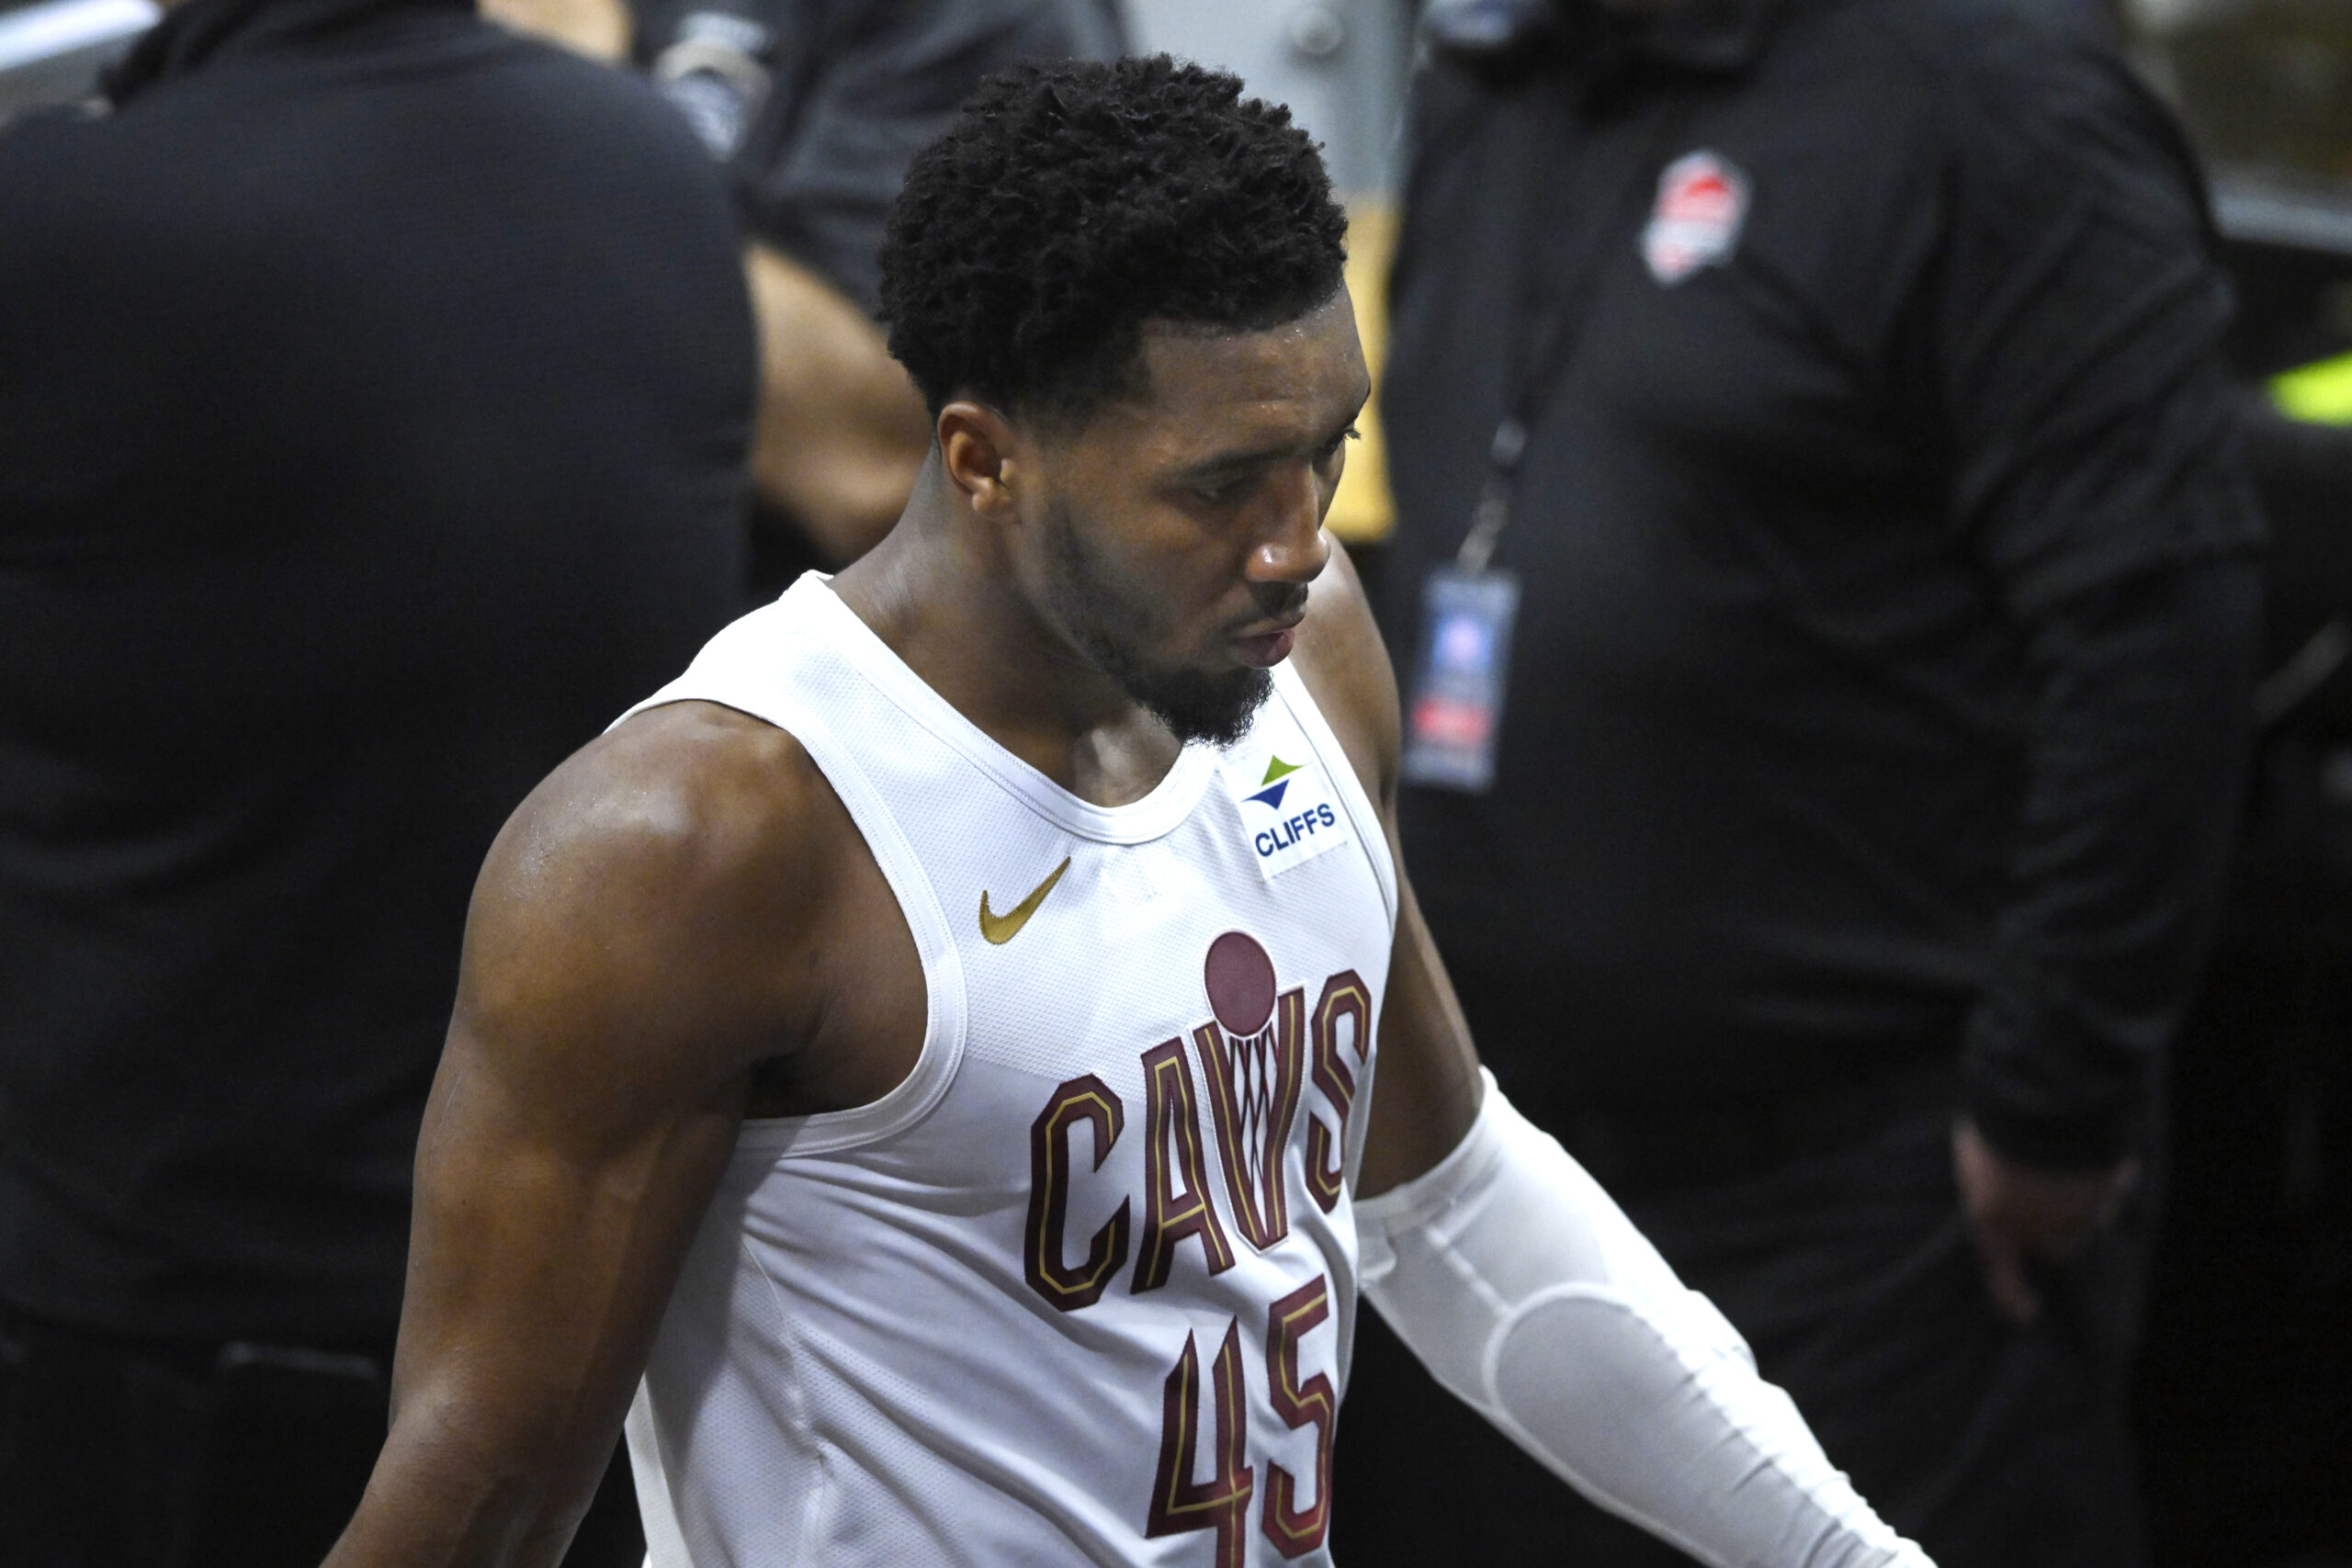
[(2243, 1401)]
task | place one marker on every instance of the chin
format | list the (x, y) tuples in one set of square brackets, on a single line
[(1199, 705)]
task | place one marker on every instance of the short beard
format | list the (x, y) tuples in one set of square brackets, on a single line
[(1193, 704)]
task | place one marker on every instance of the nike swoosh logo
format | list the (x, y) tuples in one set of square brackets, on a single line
[(1002, 929)]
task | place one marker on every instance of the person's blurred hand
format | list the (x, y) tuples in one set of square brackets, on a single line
[(2021, 1214), (597, 28)]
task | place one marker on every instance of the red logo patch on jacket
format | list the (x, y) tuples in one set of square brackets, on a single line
[(1702, 205)]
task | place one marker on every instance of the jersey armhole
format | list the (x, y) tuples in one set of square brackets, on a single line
[(741, 668), (945, 1011)]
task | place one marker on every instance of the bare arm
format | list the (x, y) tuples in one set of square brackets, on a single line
[(841, 430), (1428, 1092), (597, 28), (621, 979)]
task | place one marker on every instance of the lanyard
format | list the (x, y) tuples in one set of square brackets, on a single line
[(1558, 304)]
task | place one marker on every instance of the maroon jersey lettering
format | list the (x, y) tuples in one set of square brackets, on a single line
[(1346, 1001), (1297, 1531), (1176, 1202), (1221, 1503), (1082, 1100)]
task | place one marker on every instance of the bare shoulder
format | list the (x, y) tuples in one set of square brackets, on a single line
[(690, 809), (646, 898), (1340, 657), (690, 790)]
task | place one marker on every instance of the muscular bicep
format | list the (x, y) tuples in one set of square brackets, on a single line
[(571, 1138), (621, 979), (544, 1246)]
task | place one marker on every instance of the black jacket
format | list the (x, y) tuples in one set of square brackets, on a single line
[(374, 390), (1880, 686)]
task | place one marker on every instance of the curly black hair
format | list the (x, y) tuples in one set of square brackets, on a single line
[(1072, 202)]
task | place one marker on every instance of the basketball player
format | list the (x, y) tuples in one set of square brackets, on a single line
[(926, 1054)]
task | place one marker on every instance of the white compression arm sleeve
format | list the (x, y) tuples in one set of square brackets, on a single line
[(1528, 1294)]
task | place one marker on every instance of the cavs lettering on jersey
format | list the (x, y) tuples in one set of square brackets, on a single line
[(1080, 1290)]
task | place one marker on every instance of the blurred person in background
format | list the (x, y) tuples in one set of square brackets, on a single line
[(375, 392), (1828, 598), (816, 107)]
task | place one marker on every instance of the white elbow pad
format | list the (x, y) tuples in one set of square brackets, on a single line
[(1527, 1293)]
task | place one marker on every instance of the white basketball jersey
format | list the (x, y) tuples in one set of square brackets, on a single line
[(1081, 1290)]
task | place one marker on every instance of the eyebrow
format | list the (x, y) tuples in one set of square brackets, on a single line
[(1233, 462)]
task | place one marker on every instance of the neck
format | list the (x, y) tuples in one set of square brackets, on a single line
[(940, 591)]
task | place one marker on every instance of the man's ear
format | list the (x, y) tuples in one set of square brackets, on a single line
[(986, 458)]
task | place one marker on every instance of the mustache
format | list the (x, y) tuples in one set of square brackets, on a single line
[(1275, 600)]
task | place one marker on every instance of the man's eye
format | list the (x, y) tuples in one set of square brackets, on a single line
[(1332, 450)]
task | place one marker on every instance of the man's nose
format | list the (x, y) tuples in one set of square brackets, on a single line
[(1294, 548)]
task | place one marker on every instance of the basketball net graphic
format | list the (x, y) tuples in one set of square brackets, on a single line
[(1251, 1054)]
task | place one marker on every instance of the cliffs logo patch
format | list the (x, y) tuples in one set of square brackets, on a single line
[(1276, 782), (1288, 816), (1701, 206)]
